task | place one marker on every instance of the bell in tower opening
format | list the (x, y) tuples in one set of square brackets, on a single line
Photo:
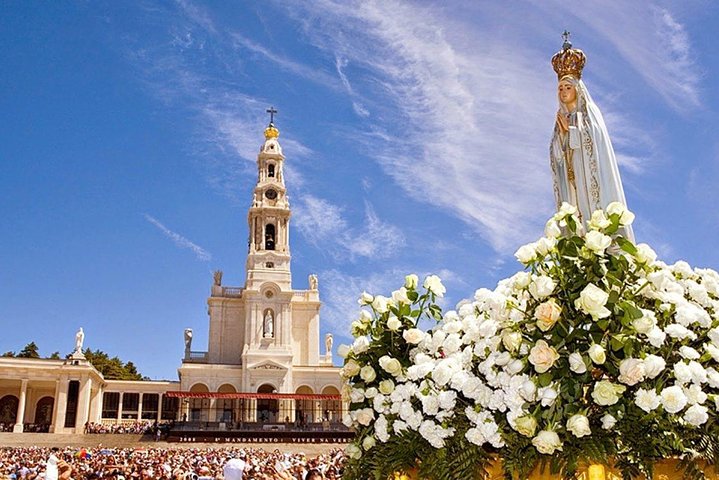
[(269, 237)]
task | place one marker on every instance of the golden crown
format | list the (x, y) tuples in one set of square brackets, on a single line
[(271, 131), (568, 61)]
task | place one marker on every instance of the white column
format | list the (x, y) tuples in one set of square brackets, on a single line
[(20, 417), (159, 407), (83, 404), (60, 408), (139, 407), (119, 407)]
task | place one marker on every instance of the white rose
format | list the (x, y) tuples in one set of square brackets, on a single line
[(393, 323), (689, 353), (631, 371), (545, 245), (653, 366), (357, 395), (365, 299), (682, 373), (579, 425), (547, 396), (713, 335), (511, 340), (695, 394), (552, 230), (699, 374), (390, 365), (547, 314), (646, 323), (597, 354), (343, 350), (371, 392), (411, 281), (353, 451), (617, 208), (364, 416), (647, 400), (673, 399), (368, 442), (597, 242), (541, 287), (526, 253), (526, 425), (380, 304), (368, 374), (606, 393), (434, 285), (679, 332), (528, 390), (599, 221), (576, 363), (350, 369), (656, 337), (547, 442), (542, 356), (400, 296), (521, 280), (360, 345), (645, 254), (592, 301), (565, 209), (696, 415), (608, 421), (386, 387), (712, 350), (413, 335)]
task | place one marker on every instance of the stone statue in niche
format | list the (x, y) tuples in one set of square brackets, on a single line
[(269, 325)]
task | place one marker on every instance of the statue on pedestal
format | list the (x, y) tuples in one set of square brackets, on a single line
[(269, 325), (79, 339), (217, 276), (328, 344), (188, 342), (314, 283), (584, 167)]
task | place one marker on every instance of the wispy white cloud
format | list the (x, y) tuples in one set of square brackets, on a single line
[(359, 109), (323, 224), (180, 241)]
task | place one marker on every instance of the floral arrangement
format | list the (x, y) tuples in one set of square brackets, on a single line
[(595, 353)]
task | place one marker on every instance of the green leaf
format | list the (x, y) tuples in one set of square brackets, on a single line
[(626, 245)]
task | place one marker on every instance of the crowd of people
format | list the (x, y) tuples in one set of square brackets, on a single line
[(136, 427), (28, 427), (34, 463)]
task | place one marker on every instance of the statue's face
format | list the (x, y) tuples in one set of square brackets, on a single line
[(567, 92)]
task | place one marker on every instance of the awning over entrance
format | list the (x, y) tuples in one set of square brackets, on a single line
[(258, 396)]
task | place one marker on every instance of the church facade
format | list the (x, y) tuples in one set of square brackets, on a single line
[(265, 361)]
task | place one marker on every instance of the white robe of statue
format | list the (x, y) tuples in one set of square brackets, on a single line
[(587, 145)]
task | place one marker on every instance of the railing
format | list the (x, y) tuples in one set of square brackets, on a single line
[(232, 291), (196, 357)]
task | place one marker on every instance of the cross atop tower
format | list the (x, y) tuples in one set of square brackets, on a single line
[(272, 112), (567, 44)]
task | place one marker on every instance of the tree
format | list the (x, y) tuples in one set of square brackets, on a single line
[(54, 356), (9, 353), (30, 351), (112, 368)]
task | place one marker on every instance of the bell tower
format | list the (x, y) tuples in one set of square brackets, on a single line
[(269, 256)]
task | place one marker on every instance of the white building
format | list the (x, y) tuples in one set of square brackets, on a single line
[(263, 361)]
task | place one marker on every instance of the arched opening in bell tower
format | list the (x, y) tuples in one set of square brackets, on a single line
[(270, 170), (269, 237)]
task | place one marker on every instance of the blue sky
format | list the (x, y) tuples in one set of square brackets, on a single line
[(416, 137)]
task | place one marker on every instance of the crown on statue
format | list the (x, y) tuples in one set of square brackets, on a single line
[(568, 61), (271, 131)]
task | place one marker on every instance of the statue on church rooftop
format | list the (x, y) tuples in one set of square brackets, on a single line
[(79, 339), (584, 167)]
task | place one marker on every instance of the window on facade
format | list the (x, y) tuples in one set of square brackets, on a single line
[(130, 402), (269, 237), (270, 170), (269, 265), (110, 404), (149, 406), (170, 407)]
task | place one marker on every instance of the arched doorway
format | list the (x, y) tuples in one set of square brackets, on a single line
[(43, 411), (267, 409), (331, 409), (8, 409), (304, 409), (225, 407), (198, 407)]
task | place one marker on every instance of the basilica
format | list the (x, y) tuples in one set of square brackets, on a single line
[(265, 364)]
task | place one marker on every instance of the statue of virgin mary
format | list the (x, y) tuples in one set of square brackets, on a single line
[(584, 167)]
